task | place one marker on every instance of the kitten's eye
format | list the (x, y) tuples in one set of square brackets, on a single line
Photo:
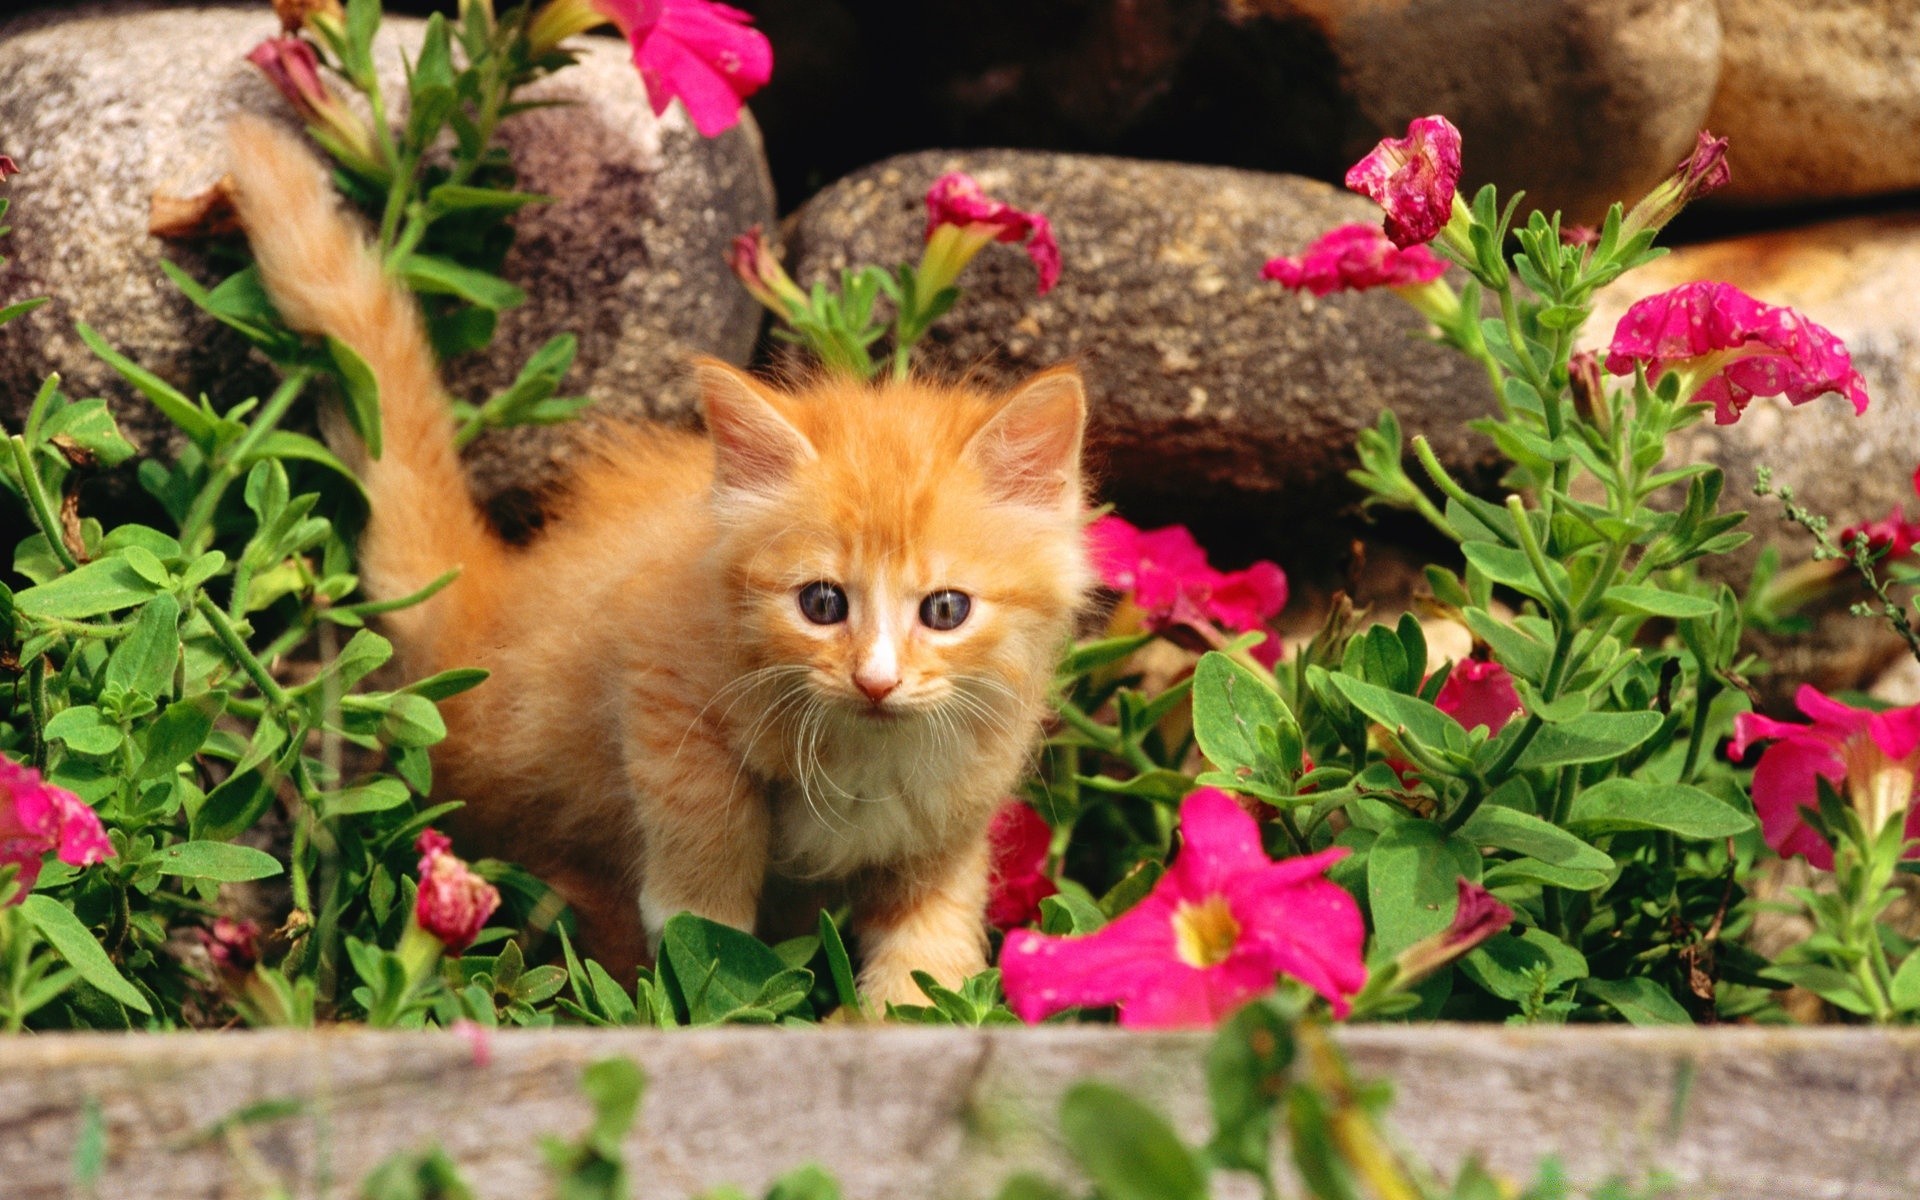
[(945, 610), (823, 603)]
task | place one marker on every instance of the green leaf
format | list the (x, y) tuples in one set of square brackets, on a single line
[(1070, 912), (144, 661), (443, 276), (1408, 715), (1246, 1073), (838, 964), (1590, 737), (102, 586), (84, 730), (222, 861), (76, 944), (1905, 992), (1128, 1149), (171, 402), (1232, 709), (1543, 841), (1413, 874), (377, 796), (1657, 602), (718, 971), (455, 197), (89, 425), (362, 393), (1639, 999), (1506, 964), (1089, 656), (447, 684), (177, 734), (1613, 805)]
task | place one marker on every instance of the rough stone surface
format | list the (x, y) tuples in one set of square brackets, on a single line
[(1856, 278), (1821, 98), (1206, 383), (942, 1113), (102, 105), (1579, 102)]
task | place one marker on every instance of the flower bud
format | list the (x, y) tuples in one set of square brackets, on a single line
[(559, 21), (1705, 170), (8, 168), (755, 264), (453, 903), (1478, 917)]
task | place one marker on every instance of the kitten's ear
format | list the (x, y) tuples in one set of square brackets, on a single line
[(756, 448), (1030, 450)]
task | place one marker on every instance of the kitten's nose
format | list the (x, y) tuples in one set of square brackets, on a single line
[(875, 686)]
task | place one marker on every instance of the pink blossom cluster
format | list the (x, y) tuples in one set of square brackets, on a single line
[(1354, 258), (1167, 574), (1217, 930), (453, 903), (1018, 841), (1746, 349), (706, 55), (37, 819), (957, 200)]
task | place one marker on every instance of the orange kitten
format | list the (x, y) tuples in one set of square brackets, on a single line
[(816, 642)]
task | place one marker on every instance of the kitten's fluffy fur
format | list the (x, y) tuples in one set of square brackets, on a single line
[(662, 726)]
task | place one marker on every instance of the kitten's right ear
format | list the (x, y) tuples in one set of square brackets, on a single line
[(756, 448)]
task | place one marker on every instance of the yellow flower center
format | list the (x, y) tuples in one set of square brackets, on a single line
[(1204, 933)]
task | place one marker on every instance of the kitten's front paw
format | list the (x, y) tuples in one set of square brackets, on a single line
[(890, 981)]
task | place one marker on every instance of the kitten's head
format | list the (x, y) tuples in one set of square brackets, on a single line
[(901, 549)]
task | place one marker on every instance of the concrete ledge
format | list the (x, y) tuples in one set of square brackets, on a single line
[(1740, 1114)]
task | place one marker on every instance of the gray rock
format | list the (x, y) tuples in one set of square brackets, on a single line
[(1856, 278), (1580, 102), (105, 104), (1207, 383), (1821, 98)]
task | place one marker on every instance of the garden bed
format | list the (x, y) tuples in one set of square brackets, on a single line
[(1747, 1113)]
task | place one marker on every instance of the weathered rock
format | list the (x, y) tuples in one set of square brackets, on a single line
[(102, 105), (1207, 384), (1579, 102), (1856, 278), (1821, 98)]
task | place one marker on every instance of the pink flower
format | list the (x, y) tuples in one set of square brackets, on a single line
[(232, 945), (1478, 917), (36, 817), (1217, 929), (1168, 576), (964, 219), (1892, 536), (757, 267), (1477, 693), (478, 1037), (706, 55), (8, 168), (293, 67), (1870, 757), (1740, 347), (1354, 258), (1703, 171), (1019, 839), (1413, 178), (453, 902)]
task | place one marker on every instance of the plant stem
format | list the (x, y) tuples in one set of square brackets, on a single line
[(236, 646), (37, 503)]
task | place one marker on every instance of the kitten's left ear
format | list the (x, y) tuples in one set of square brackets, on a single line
[(1030, 450)]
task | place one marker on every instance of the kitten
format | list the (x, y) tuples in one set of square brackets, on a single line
[(816, 642)]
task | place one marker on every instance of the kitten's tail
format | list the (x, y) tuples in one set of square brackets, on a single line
[(321, 274)]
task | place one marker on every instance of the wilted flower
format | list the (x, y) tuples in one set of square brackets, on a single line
[(8, 168), (1589, 391), (1870, 757), (37, 817), (1703, 171), (453, 903), (1731, 348), (706, 55), (1478, 917), (962, 219), (756, 265), (1413, 178), (1479, 692), (1216, 931), (1354, 258), (1167, 574), (293, 67), (1019, 839)]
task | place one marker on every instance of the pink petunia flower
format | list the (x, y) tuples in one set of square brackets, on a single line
[(1870, 757), (1413, 178), (8, 168), (707, 56), (1215, 932), (1478, 916), (1019, 839), (1168, 575), (37, 818), (1478, 692), (453, 903), (293, 67), (1894, 535), (1733, 348), (1354, 258), (962, 219)]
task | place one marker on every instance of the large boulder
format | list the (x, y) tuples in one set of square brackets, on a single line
[(1821, 98), (1856, 277), (1217, 398), (103, 105)]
